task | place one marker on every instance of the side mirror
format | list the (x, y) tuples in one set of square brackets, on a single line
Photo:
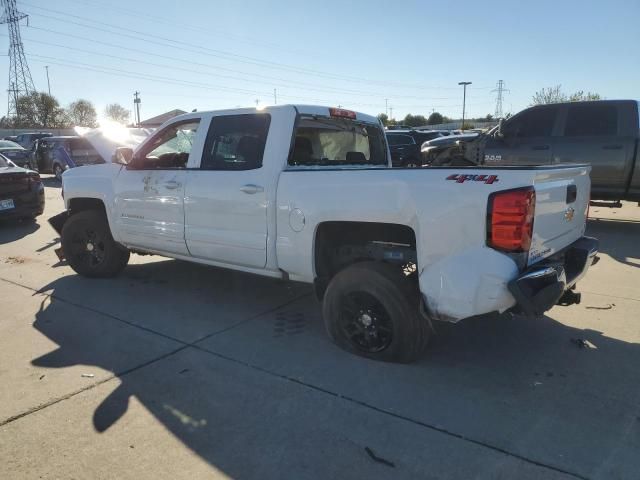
[(123, 155), (500, 131)]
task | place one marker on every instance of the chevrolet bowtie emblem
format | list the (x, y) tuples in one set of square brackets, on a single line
[(569, 213)]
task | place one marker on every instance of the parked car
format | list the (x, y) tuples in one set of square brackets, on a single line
[(27, 139), (388, 250), (11, 138), (21, 191), (58, 154), (604, 134), (404, 146), (16, 153)]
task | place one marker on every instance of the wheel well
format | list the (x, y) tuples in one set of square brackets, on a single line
[(81, 204), (339, 244)]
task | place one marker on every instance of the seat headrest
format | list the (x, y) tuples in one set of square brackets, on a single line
[(303, 145)]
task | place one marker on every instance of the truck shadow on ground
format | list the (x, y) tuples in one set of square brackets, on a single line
[(482, 379), (12, 230), (620, 239)]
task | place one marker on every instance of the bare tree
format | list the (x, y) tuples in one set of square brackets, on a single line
[(117, 113), (81, 113), (556, 95)]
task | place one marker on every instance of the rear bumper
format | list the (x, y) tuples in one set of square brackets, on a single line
[(27, 204), (546, 284)]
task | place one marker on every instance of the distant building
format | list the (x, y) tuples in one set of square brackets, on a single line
[(154, 122)]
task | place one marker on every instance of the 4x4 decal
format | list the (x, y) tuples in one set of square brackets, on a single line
[(461, 178)]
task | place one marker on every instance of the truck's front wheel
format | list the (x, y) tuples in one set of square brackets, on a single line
[(371, 309), (89, 247)]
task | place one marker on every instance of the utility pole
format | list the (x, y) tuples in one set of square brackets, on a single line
[(464, 100), (20, 82), (48, 84), (136, 104), (386, 107), (500, 90), (275, 97)]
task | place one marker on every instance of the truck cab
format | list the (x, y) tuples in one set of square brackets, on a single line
[(604, 134)]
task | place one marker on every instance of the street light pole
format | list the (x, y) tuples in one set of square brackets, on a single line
[(464, 100), (48, 84)]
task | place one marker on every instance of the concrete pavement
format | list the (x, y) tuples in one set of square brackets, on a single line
[(179, 371)]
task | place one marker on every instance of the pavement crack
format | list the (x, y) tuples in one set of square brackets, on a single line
[(89, 387)]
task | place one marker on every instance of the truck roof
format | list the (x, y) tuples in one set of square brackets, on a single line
[(302, 109)]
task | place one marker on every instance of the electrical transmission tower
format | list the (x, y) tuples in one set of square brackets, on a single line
[(500, 90), (20, 82)]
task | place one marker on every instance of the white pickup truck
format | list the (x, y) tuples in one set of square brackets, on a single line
[(307, 193)]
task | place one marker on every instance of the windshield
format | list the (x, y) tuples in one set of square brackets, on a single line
[(9, 144), (333, 141), (4, 162)]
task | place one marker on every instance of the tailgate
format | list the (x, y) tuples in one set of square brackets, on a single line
[(562, 200)]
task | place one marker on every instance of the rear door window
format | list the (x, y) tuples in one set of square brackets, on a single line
[(236, 142), (591, 121)]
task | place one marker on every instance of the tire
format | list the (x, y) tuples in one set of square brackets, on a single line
[(89, 247), (371, 309), (57, 171)]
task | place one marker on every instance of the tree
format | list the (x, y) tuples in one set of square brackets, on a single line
[(81, 113), (414, 120), (435, 119), (384, 118), (39, 110), (117, 113), (556, 95), (580, 96)]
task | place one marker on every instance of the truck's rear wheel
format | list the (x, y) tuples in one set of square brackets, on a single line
[(372, 309), (89, 247)]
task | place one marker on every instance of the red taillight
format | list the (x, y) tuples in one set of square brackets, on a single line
[(342, 113), (510, 222)]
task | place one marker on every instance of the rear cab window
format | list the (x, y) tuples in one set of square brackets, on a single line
[(334, 142)]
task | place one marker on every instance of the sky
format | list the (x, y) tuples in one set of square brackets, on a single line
[(371, 56)]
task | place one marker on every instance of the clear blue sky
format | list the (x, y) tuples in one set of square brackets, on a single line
[(218, 54)]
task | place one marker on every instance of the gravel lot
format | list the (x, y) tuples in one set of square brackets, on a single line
[(180, 371)]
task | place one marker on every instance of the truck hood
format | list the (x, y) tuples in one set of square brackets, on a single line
[(450, 140), (106, 138)]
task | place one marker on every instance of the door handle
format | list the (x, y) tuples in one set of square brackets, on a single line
[(540, 147), (612, 147), (251, 189), (172, 185)]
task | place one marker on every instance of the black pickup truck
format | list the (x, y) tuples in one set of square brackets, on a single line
[(604, 134)]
